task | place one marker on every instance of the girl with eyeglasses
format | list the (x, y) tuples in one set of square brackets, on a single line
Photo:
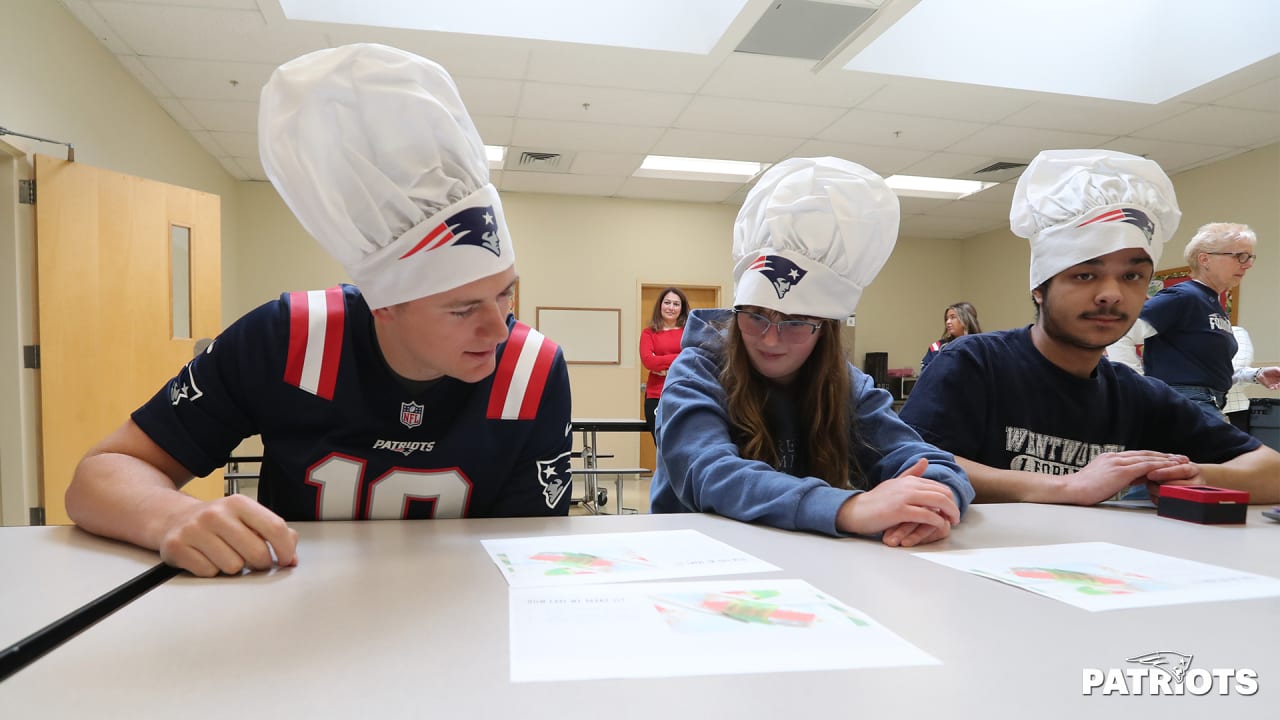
[(1185, 332), (762, 418)]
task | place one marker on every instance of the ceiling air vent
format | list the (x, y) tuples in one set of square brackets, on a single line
[(547, 161), (998, 171)]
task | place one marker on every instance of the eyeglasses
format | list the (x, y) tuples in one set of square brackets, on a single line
[(1244, 258), (790, 331)]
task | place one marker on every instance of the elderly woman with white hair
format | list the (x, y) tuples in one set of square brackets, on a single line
[(1187, 334), (762, 418)]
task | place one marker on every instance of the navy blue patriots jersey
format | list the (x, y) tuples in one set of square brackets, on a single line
[(344, 439)]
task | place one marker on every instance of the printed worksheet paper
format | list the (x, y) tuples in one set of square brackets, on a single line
[(705, 627)]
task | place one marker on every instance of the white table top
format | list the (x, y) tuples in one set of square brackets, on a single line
[(47, 572), (409, 619)]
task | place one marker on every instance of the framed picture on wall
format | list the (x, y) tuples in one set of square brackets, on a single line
[(1162, 279)]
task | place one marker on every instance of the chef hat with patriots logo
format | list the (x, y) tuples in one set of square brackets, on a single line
[(1076, 205), (811, 235), (374, 152)]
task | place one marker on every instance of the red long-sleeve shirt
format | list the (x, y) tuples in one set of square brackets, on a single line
[(657, 351)]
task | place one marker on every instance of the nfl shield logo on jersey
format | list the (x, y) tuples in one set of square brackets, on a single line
[(411, 414)]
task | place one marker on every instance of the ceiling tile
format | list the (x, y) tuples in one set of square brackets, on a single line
[(677, 190), (919, 206), (209, 143), (944, 164), (489, 96), (1001, 195), (725, 146), (233, 168), (583, 136), (1264, 96), (1094, 116), (789, 80), (602, 163), (204, 33), (1023, 143), (470, 55), (1211, 125), (180, 114), (753, 117), (623, 68), (237, 143), (516, 181), (224, 115), (1172, 157), (139, 70), (210, 79), (494, 130), (578, 103), (883, 160), (909, 132), (253, 167), (952, 101), (84, 12)]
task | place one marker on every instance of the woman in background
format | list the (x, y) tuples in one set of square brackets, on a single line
[(958, 320), (763, 418), (660, 344), (1187, 336)]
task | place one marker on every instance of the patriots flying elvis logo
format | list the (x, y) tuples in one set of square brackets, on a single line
[(472, 226), (780, 271), (1133, 216)]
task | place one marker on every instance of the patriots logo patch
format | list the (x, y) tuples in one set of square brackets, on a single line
[(780, 271), (184, 387), (472, 226), (1133, 216), (554, 476)]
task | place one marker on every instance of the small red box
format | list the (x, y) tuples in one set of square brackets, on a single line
[(1203, 504)]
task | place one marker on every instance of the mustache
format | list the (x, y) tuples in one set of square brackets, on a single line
[(1106, 314)]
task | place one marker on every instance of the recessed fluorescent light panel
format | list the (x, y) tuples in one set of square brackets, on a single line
[(936, 188), (689, 26), (495, 154), (665, 167), (1143, 51)]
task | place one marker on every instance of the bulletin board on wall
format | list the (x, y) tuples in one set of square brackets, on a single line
[(1161, 279), (589, 336)]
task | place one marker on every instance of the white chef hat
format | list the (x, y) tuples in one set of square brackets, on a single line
[(372, 149), (1076, 205), (811, 235)]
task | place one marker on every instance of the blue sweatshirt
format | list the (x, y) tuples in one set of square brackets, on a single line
[(700, 468)]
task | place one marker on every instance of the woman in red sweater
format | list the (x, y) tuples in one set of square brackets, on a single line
[(660, 344)]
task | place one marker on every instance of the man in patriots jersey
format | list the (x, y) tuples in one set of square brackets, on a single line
[(1038, 414), (413, 393)]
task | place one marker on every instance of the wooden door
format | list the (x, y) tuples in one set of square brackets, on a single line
[(104, 305), (700, 297)]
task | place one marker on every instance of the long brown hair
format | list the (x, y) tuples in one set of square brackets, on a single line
[(968, 316), (655, 318), (822, 386)]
